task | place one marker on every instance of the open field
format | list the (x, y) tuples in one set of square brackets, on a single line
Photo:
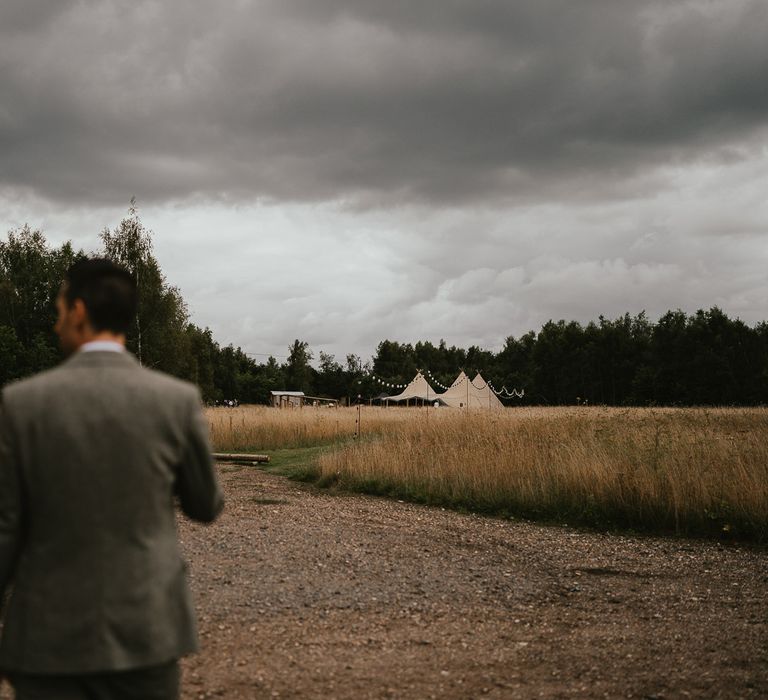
[(689, 471), (263, 428)]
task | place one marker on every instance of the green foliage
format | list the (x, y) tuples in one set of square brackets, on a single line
[(298, 371), (330, 379), (700, 359), (11, 354), (162, 318), (394, 361), (30, 277)]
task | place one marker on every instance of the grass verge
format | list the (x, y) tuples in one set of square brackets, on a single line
[(297, 463)]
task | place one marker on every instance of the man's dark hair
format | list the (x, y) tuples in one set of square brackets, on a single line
[(107, 290)]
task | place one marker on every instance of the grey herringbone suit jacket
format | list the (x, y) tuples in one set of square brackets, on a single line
[(92, 454)]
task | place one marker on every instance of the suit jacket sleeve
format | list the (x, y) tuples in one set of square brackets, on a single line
[(10, 502), (197, 487)]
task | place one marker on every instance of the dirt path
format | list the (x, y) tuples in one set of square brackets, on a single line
[(306, 594), (303, 594)]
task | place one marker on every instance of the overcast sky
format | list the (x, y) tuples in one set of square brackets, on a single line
[(344, 171)]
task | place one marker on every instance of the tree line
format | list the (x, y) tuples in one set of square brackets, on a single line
[(705, 358)]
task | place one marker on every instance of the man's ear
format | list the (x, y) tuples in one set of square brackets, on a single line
[(79, 313)]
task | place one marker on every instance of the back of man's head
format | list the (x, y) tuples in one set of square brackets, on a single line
[(107, 290)]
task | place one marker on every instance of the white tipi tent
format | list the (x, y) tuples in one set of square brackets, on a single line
[(419, 389), (473, 394), (455, 395), (482, 396)]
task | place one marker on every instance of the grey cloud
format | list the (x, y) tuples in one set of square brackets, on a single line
[(370, 102), (345, 172), (32, 15), (262, 275)]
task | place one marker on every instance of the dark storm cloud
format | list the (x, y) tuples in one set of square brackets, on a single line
[(29, 16), (372, 101)]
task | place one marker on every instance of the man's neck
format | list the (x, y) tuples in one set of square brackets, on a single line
[(103, 340)]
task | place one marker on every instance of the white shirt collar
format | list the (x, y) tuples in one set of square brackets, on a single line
[(102, 346)]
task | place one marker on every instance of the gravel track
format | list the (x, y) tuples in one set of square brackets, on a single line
[(306, 594)]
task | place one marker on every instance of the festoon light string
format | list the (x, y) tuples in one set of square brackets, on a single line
[(503, 392), (437, 381), (383, 382)]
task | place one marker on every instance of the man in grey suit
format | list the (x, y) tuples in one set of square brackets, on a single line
[(93, 455)]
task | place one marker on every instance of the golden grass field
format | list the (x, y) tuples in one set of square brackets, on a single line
[(694, 471)]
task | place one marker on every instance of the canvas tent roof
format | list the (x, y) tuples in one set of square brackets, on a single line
[(456, 394), (485, 396), (475, 393), (419, 388)]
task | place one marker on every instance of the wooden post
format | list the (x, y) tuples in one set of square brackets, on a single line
[(238, 457)]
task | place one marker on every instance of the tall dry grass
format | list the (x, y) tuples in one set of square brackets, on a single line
[(691, 471), (262, 428)]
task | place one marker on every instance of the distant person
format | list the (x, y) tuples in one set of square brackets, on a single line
[(92, 454)]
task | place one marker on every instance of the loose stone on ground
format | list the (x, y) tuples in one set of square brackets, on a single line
[(303, 593)]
